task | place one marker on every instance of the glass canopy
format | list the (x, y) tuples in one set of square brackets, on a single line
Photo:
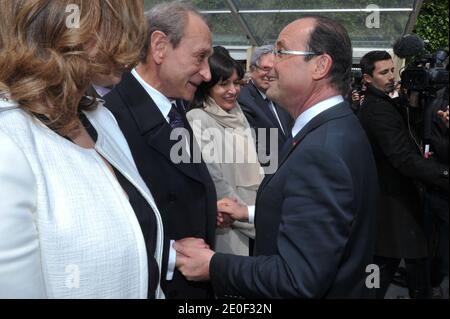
[(240, 24)]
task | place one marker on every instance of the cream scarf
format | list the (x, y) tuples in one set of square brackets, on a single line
[(247, 174)]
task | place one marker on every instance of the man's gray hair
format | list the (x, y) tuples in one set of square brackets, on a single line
[(259, 52), (170, 18)]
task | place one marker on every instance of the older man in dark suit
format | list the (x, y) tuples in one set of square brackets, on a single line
[(149, 109), (260, 111), (315, 216)]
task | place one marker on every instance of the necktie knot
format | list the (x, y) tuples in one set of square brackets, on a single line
[(175, 118)]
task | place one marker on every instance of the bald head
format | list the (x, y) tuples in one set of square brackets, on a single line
[(298, 31)]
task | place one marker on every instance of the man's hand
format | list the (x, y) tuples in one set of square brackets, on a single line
[(355, 96), (223, 220), (444, 116), (232, 208), (193, 242), (193, 259)]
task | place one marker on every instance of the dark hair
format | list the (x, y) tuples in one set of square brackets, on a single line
[(331, 37), (368, 61), (222, 66)]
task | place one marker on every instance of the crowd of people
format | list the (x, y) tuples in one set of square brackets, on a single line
[(136, 162)]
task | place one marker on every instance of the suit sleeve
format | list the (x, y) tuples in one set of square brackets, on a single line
[(20, 264), (316, 219), (391, 135)]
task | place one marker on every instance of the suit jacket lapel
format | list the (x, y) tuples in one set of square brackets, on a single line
[(264, 106), (151, 124), (337, 111), (285, 120)]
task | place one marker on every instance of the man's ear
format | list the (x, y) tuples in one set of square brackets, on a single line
[(322, 66), (367, 78), (159, 43)]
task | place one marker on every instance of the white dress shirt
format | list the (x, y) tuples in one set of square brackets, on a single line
[(273, 109), (313, 111)]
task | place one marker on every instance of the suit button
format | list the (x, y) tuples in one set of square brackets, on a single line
[(445, 173), (172, 198)]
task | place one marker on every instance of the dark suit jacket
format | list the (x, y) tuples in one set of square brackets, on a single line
[(184, 193), (399, 163), (314, 218), (259, 115)]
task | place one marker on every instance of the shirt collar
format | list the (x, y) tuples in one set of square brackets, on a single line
[(101, 91), (163, 103), (262, 94), (313, 111)]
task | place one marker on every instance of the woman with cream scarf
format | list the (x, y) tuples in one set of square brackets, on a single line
[(227, 146)]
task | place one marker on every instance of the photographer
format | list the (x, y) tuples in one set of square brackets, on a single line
[(355, 96), (400, 229)]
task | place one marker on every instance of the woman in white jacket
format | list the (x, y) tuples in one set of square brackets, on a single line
[(228, 148), (76, 219)]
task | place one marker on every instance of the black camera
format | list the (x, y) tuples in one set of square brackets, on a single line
[(356, 80), (426, 73)]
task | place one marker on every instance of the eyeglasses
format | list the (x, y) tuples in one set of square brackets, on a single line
[(265, 70), (279, 53)]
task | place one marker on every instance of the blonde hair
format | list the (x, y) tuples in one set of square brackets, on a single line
[(44, 65)]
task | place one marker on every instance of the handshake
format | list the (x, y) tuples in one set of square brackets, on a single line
[(194, 255)]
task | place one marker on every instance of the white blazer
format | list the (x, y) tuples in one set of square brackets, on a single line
[(67, 229)]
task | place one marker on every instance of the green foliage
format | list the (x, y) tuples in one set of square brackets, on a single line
[(432, 24)]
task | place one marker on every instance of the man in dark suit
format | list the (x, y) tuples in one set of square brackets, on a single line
[(261, 112), (314, 217), (400, 164), (149, 109)]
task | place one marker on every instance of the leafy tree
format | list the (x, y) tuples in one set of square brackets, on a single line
[(432, 24)]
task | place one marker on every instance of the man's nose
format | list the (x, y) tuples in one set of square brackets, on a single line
[(391, 76), (205, 72)]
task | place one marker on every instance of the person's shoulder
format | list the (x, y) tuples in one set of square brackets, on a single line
[(247, 92), (14, 120), (197, 114), (13, 161), (374, 104)]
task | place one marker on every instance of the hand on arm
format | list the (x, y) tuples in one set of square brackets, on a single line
[(193, 258)]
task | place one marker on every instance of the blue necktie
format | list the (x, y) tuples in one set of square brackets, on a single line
[(175, 118)]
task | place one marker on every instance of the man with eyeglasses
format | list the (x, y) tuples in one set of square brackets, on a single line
[(260, 111), (315, 216)]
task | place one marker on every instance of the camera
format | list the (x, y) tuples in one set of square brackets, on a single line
[(426, 73), (356, 80)]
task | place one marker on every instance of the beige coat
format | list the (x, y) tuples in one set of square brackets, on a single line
[(231, 179)]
